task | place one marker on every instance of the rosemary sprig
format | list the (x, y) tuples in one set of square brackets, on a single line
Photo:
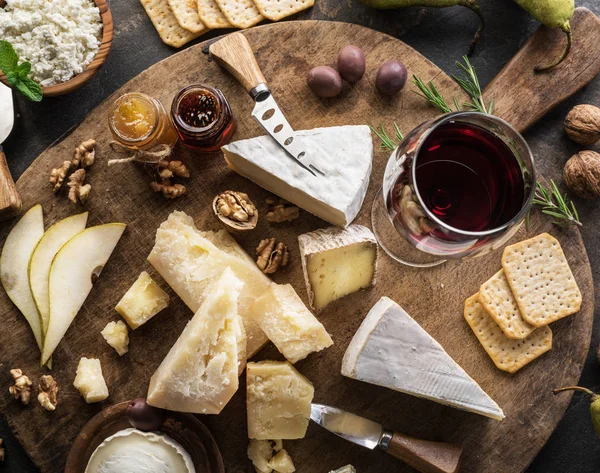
[(386, 141), (430, 93), (556, 205)]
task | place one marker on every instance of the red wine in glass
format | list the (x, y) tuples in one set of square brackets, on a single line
[(469, 178)]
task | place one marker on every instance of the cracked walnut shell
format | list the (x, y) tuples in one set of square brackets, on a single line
[(272, 255), (582, 124), (236, 211)]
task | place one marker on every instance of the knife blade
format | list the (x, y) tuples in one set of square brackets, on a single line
[(234, 53), (424, 455)]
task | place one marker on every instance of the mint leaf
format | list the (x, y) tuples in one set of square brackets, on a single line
[(8, 57), (12, 78), (24, 69), (30, 89)]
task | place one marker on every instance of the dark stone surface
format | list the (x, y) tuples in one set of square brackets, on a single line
[(442, 36)]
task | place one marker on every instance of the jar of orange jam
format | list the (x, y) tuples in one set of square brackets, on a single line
[(139, 121)]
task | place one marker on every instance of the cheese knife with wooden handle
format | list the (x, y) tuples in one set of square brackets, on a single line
[(423, 455), (10, 202)]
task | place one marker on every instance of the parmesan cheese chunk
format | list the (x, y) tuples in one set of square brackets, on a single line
[(89, 380), (117, 336), (142, 301)]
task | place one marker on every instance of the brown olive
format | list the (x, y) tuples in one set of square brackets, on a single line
[(324, 81), (351, 63), (391, 77), (144, 417)]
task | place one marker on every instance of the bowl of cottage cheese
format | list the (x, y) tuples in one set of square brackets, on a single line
[(66, 41)]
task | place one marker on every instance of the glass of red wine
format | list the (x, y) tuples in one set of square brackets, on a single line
[(457, 186)]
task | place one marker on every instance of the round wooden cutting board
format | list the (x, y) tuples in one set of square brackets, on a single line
[(434, 297)]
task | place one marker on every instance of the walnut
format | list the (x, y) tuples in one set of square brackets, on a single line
[(2, 453), (236, 211), (168, 189), (48, 393), (168, 169), (272, 255), (281, 211), (84, 155), (21, 390), (58, 175), (582, 174), (78, 192), (582, 124)]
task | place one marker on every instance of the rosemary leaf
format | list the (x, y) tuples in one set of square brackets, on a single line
[(386, 141), (556, 205)]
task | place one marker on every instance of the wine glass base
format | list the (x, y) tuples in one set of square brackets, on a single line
[(393, 243)]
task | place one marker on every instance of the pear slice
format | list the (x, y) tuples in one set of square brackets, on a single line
[(41, 260), (14, 260), (74, 271)]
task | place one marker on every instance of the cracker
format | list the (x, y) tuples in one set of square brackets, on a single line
[(541, 280), (507, 354), (186, 13), (497, 299), (240, 13), (211, 15), (166, 24), (277, 9)]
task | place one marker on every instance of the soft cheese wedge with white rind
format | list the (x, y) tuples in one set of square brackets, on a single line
[(391, 349), (344, 154), (337, 262), (16, 253), (132, 450), (41, 260), (292, 328), (200, 372), (74, 271), (190, 261)]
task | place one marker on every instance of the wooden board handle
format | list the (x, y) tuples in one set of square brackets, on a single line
[(10, 202), (234, 53), (522, 96), (424, 455)]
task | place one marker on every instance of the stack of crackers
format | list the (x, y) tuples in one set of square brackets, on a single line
[(180, 21), (511, 312)]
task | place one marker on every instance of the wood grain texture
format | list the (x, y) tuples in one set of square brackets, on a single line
[(10, 202), (285, 52), (98, 61), (534, 94)]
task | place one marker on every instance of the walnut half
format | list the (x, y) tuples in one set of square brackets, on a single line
[(21, 390), (48, 393), (272, 255), (236, 211)]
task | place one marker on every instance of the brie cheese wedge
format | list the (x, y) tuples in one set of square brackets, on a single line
[(344, 154), (132, 450), (391, 349)]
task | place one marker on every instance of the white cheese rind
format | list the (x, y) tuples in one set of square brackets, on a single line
[(337, 262), (190, 262), (391, 349), (200, 372), (292, 328), (131, 450), (343, 153), (278, 398)]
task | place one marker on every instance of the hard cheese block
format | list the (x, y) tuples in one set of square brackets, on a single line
[(391, 349), (337, 262), (343, 153), (284, 318), (200, 372), (278, 401), (190, 261), (142, 301)]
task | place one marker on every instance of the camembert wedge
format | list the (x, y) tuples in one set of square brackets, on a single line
[(200, 372), (391, 349), (284, 318), (190, 262), (344, 154), (337, 262)]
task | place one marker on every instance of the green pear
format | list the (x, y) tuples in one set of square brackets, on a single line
[(594, 404), (470, 4), (553, 14)]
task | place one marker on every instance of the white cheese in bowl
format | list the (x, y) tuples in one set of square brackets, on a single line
[(59, 38), (132, 450)]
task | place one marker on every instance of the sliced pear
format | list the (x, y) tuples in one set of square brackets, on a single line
[(14, 260), (74, 271), (41, 260)]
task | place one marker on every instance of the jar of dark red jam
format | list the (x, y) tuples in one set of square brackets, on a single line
[(202, 117)]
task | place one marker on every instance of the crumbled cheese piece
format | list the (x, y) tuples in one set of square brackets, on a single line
[(59, 38), (117, 336)]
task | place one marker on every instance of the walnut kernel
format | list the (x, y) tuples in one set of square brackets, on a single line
[(21, 390), (272, 255), (58, 175), (582, 174), (582, 124), (281, 210), (78, 191), (235, 210), (48, 393)]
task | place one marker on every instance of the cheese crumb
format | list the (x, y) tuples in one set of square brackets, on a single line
[(60, 38)]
